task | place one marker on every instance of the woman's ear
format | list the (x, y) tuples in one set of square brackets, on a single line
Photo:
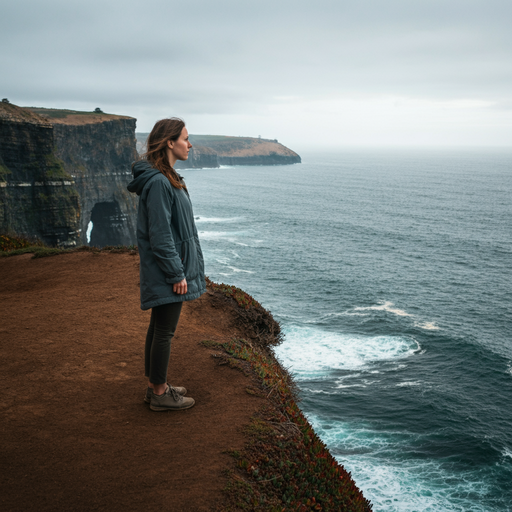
[(170, 144)]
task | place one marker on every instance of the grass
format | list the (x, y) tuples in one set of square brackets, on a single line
[(243, 299), (58, 113), (18, 245), (14, 245), (4, 171)]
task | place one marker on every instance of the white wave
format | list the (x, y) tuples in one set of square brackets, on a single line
[(507, 453), (320, 391), (235, 269), (428, 326), (309, 350), (229, 236), (217, 219), (408, 384), (415, 486), (509, 368), (385, 306), (214, 235), (391, 483)]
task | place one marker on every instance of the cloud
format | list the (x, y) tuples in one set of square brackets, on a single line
[(237, 60)]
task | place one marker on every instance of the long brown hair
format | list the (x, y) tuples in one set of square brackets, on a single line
[(156, 153)]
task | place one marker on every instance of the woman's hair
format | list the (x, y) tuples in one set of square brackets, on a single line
[(156, 153)]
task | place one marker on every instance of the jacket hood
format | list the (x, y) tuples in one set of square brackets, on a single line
[(142, 172)]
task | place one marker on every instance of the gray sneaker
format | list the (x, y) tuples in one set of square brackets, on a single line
[(147, 397), (171, 400)]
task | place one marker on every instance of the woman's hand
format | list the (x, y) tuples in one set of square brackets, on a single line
[(180, 288)]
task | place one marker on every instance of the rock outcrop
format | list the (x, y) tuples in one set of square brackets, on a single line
[(64, 175), (199, 157), (210, 151), (97, 150), (247, 150), (38, 197)]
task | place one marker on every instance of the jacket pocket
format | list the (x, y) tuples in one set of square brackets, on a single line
[(189, 258)]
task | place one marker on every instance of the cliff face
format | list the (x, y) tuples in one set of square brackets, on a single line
[(247, 150), (37, 196), (199, 157), (98, 152), (63, 176)]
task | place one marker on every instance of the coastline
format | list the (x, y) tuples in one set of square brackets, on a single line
[(244, 446)]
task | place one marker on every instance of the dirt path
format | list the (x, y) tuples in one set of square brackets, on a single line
[(75, 433)]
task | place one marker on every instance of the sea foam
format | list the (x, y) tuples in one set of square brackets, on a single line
[(384, 306), (310, 350), (199, 219), (394, 485)]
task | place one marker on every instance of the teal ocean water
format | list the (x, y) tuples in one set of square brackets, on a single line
[(391, 275)]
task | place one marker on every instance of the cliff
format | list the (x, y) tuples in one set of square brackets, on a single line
[(247, 150), (214, 150), (97, 150), (69, 187), (199, 157), (63, 173), (38, 197), (81, 441)]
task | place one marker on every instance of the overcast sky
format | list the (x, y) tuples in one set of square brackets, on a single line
[(311, 74)]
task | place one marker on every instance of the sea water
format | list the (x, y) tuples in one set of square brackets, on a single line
[(391, 275)]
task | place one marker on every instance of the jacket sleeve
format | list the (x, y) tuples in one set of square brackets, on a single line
[(159, 210)]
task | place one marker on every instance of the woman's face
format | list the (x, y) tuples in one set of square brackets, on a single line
[(178, 149)]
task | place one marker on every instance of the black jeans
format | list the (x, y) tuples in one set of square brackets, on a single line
[(163, 323)]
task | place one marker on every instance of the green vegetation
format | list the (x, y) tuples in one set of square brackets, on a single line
[(55, 168), (57, 113), (244, 300), (4, 171), (14, 245), (284, 466)]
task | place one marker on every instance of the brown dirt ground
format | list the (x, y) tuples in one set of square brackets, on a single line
[(75, 432)]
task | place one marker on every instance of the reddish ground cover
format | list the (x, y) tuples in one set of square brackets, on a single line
[(75, 433)]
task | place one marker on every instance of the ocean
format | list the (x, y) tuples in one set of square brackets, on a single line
[(390, 272)]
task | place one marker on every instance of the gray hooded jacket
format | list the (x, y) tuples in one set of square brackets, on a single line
[(167, 237)]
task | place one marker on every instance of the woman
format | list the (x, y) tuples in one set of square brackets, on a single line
[(171, 261)]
